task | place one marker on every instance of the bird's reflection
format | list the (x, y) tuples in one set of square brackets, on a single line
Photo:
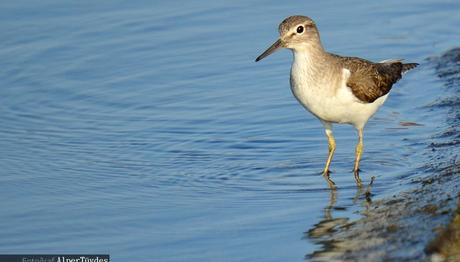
[(323, 233)]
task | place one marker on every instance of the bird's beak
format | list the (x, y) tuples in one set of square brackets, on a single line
[(276, 46)]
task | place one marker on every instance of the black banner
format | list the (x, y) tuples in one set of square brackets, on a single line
[(54, 258)]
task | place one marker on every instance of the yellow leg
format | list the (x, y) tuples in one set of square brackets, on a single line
[(359, 152), (331, 142), (332, 146)]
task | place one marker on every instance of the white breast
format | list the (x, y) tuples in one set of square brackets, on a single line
[(327, 96)]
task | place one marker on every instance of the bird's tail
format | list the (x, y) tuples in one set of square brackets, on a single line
[(407, 67)]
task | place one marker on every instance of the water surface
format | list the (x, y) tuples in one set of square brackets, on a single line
[(145, 130)]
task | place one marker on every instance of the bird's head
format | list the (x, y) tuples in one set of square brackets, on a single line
[(297, 33)]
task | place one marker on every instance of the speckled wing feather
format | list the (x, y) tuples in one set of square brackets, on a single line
[(369, 81)]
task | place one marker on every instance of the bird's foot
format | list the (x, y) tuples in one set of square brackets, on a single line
[(357, 178), (328, 179)]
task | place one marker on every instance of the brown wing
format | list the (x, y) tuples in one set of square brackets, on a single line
[(369, 81)]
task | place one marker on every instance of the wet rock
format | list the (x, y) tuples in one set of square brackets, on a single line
[(428, 181), (392, 228), (446, 246), (430, 209)]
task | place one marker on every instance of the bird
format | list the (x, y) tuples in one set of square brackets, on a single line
[(335, 89)]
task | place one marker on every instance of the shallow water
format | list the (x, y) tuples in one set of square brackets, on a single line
[(145, 130)]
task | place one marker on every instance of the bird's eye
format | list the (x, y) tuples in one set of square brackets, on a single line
[(300, 29)]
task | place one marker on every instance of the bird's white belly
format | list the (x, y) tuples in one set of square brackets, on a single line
[(336, 105)]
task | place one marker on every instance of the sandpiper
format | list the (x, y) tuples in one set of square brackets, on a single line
[(335, 89)]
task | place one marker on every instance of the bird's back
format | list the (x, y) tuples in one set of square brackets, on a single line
[(368, 80)]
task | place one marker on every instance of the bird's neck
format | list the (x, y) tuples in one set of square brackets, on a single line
[(314, 69), (310, 54), (309, 62)]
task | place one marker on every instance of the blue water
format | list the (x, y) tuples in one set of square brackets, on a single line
[(145, 129)]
